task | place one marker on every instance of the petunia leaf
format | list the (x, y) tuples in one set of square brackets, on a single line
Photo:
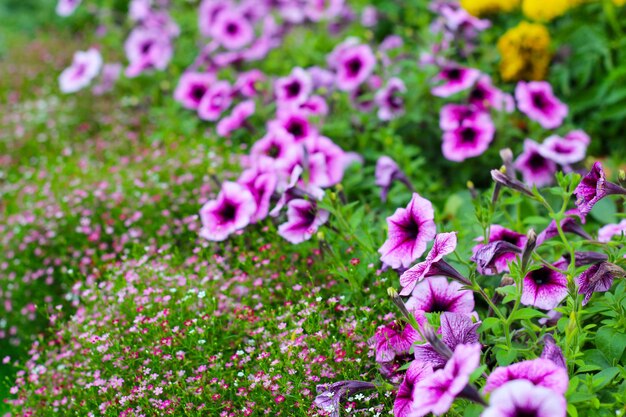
[(611, 343)]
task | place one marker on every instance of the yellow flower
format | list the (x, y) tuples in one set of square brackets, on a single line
[(619, 2), (525, 52), (485, 7), (544, 10)]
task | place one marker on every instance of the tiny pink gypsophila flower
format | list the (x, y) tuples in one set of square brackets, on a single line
[(410, 229)]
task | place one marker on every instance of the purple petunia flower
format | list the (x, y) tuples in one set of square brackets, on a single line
[(207, 14), (484, 96), (294, 122), (535, 168), (389, 99), (537, 101), (279, 147), (545, 288), (147, 49), (606, 233), (85, 67), (552, 351), (354, 64), (329, 396), (578, 136), (326, 161), (445, 244), (191, 88), (387, 171), (232, 29), (563, 151), (594, 187), (451, 116), (231, 211), (453, 80), (404, 399), (247, 83), (498, 263), (294, 89), (438, 295), (569, 225), (262, 185), (215, 101), (314, 106), (395, 339), (363, 97), (521, 398), (598, 278), (317, 10), (436, 393), (236, 118), (303, 219), (470, 139), (540, 372), (110, 74), (410, 229), (456, 329), (67, 7)]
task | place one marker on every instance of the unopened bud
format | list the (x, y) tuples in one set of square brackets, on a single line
[(506, 281), (622, 175), (529, 247)]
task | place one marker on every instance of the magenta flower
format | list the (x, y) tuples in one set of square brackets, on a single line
[(498, 263), (545, 288), (326, 161), (248, 82), (540, 372), (436, 392), (315, 106), (231, 211), (470, 139), (593, 188), (207, 15), (485, 96), (563, 151), (232, 30), (606, 233), (569, 225), (389, 99), (235, 120), (354, 64), (456, 329), (451, 116), (191, 88), (317, 10), (453, 80), (444, 244), (262, 185), (147, 49), (521, 398), (330, 396), (294, 89), (387, 171), (535, 168), (294, 122), (486, 256), (410, 229), (110, 74), (404, 398), (537, 101), (215, 101), (598, 278), (438, 295), (363, 97), (85, 67), (303, 220), (578, 136), (67, 7), (279, 147), (395, 340)]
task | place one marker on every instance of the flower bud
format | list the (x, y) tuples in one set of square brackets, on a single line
[(529, 247)]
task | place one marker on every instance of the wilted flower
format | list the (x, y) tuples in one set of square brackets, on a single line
[(436, 393), (444, 244), (598, 278), (231, 211), (510, 182), (535, 168), (191, 88), (593, 188), (303, 220), (537, 101), (540, 372), (586, 258), (454, 79), (389, 99), (85, 66), (521, 398), (545, 288), (495, 259), (410, 229)]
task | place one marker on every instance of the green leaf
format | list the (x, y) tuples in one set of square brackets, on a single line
[(605, 211), (571, 410), (603, 378), (611, 343), (489, 323), (506, 356), (527, 314)]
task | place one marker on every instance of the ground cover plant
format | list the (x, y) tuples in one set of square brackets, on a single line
[(313, 207)]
